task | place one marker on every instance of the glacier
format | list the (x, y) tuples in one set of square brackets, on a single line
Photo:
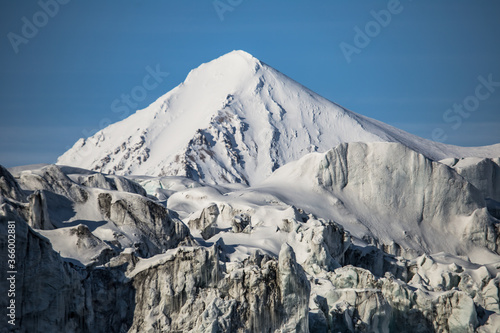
[(242, 201)]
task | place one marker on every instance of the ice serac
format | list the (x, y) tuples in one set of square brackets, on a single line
[(53, 295), (483, 173), (295, 290), (9, 188), (93, 224), (236, 119), (392, 197), (285, 271), (192, 290)]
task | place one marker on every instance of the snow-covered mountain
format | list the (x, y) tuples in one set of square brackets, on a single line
[(236, 119), (345, 224)]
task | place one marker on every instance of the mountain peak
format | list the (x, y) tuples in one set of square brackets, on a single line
[(236, 58), (230, 71), (239, 53), (234, 119)]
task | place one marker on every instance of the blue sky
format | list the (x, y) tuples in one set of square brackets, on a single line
[(58, 81)]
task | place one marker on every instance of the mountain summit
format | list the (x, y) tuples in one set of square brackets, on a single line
[(236, 119)]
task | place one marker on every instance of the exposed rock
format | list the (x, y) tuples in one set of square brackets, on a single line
[(240, 121)]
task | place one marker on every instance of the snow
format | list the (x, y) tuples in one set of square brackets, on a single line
[(273, 168), (65, 241), (236, 119), (419, 205), (156, 260)]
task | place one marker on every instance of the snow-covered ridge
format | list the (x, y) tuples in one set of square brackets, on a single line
[(343, 240), (391, 196), (236, 119), (344, 223)]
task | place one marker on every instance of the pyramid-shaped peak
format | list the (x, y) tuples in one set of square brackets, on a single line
[(228, 72), (236, 59), (234, 119), (239, 53)]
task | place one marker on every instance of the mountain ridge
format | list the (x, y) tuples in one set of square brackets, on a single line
[(236, 119)]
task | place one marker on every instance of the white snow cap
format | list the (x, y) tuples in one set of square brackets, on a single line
[(236, 119)]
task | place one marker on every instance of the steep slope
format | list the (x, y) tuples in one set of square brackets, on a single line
[(235, 119), (390, 196), (262, 265), (483, 173), (90, 222)]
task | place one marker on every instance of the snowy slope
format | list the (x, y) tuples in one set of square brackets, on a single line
[(271, 247), (389, 196), (405, 208), (235, 119)]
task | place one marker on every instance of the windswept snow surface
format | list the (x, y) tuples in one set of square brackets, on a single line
[(235, 119), (388, 195), (383, 194)]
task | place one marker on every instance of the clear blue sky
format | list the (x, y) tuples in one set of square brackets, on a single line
[(61, 82)]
